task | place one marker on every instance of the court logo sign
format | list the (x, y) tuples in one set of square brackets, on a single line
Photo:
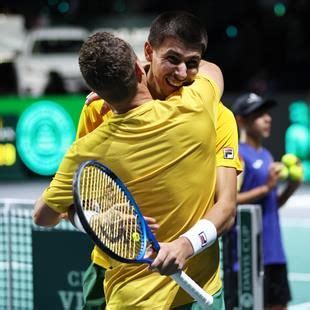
[(44, 132)]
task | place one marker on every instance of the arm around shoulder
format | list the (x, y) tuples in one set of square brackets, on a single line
[(214, 72)]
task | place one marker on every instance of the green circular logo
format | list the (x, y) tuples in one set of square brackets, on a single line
[(43, 134)]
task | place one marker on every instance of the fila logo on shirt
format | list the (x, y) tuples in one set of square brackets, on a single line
[(203, 238), (228, 153)]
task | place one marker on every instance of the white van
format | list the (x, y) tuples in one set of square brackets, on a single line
[(49, 55)]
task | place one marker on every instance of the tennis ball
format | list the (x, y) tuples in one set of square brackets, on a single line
[(289, 160), (135, 236), (284, 173), (296, 173)]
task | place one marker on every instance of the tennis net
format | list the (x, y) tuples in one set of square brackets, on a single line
[(16, 260)]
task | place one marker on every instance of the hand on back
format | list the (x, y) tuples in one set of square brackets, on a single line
[(92, 96)]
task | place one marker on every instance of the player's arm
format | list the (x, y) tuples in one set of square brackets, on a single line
[(220, 218), (91, 117), (173, 255), (55, 201), (228, 165), (43, 215), (214, 72), (222, 215)]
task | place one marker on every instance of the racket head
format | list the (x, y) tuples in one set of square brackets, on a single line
[(95, 187)]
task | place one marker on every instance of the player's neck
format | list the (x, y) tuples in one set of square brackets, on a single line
[(143, 95)]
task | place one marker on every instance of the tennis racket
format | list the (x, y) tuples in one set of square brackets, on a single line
[(113, 220)]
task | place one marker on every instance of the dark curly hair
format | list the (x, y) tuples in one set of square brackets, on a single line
[(107, 64)]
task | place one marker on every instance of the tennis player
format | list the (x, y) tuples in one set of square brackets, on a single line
[(164, 150), (167, 71)]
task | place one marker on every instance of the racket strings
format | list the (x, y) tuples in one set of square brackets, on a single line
[(116, 223)]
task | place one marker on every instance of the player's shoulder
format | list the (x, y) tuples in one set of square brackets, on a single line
[(213, 73), (203, 84), (225, 115), (225, 110)]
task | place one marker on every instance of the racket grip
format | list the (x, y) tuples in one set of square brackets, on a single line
[(193, 289)]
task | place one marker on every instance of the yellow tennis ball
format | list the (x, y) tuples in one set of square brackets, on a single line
[(296, 173), (289, 160), (135, 236), (284, 173)]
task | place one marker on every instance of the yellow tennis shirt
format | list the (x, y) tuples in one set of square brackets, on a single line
[(164, 152), (227, 139), (226, 131)]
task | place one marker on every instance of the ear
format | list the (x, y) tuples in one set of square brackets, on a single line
[(148, 51), (139, 71)]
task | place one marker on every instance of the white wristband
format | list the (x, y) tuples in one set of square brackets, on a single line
[(77, 223), (201, 235)]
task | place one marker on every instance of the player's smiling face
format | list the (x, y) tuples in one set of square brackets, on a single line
[(172, 65)]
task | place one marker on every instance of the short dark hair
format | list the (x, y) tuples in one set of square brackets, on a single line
[(182, 25), (107, 64)]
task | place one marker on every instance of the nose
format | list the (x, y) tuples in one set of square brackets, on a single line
[(181, 72)]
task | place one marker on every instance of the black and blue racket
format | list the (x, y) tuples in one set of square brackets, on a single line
[(116, 224)]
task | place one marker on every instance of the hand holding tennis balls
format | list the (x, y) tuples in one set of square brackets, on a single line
[(280, 169), (293, 167)]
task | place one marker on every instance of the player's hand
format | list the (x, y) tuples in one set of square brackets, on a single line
[(152, 224), (64, 216), (92, 96), (172, 256), (105, 108)]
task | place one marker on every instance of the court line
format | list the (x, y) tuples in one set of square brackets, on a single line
[(299, 277), (301, 200), (305, 306), (295, 222)]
